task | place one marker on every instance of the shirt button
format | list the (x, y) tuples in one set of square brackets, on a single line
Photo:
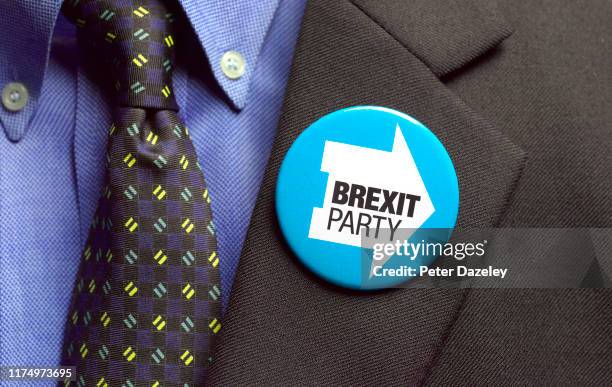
[(14, 96), (233, 64)]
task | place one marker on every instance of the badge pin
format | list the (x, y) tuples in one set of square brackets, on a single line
[(359, 179)]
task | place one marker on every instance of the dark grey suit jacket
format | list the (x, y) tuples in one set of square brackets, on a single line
[(520, 93)]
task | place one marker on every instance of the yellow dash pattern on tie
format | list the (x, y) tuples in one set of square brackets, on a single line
[(188, 225), (140, 60), (129, 354), (131, 289), (92, 286), (141, 12), (83, 350), (187, 357), (159, 323), (214, 259), (188, 291), (131, 224), (75, 317), (184, 162), (215, 325), (87, 253), (169, 41), (152, 138), (159, 192), (160, 257), (110, 37), (101, 383), (105, 319), (166, 91), (156, 384), (129, 160)]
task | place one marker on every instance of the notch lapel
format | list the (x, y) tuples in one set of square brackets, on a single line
[(283, 325), (443, 34)]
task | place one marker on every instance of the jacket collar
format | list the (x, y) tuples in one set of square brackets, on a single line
[(444, 35)]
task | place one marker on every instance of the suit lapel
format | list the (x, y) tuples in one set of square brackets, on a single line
[(285, 326), (443, 34)]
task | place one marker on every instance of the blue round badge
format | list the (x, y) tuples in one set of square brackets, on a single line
[(360, 190)]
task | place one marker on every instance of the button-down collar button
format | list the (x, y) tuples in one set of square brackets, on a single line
[(233, 64), (14, 96)]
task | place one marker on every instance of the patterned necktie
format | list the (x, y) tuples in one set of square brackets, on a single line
[(147, 299)]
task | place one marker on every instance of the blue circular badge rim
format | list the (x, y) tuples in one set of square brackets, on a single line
[(299, 244)]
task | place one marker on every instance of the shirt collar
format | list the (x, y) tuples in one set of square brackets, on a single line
[(223, 26), (24, 55)]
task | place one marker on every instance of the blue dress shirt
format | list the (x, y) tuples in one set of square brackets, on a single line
[(51, 151)]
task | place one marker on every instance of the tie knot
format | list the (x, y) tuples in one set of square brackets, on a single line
[(135, 40)]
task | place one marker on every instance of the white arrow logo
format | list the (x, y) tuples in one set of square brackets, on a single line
[(370, 193)]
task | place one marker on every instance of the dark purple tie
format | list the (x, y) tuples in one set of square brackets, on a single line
[(147, 300)]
